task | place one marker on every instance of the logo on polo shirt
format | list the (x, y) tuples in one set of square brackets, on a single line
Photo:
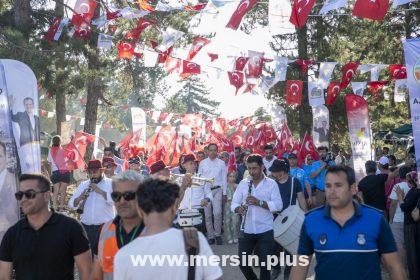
[(361, 240), (322, 239)]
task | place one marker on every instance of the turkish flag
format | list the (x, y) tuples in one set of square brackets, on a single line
[(375, 87), (49, 36), (135, 33), (232, 163), (307, 148), (197, 44), (197, 7), (238, 138), (185, 146), (304, 64), (333, 92), (129, 140), (189, 67), (82, 32), (236, 79), (162, 55), (83, 12), (172, 152), (253, 138), (397, 71), (244, 7), (300, 12), (224, 143), (349, 71), (74, 152), (255, 66), (285, 139), (269, 134), (294, 92), (240, 63), (213, 56), (113, 15), (371, 9), (173, 64), (125, 50)]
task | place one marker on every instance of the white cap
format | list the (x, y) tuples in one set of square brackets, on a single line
[(383, 160)]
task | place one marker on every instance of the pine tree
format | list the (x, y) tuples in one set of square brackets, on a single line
[(194, 95)]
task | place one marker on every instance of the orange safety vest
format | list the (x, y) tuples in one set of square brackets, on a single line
[(107, 249)]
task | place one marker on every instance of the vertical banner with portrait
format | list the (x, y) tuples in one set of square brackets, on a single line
[(359, 132), (412, 62), (9, 208), (321, 125), (22, 94), (138, 119)]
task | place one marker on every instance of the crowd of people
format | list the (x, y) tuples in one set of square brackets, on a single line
[(211, 197)]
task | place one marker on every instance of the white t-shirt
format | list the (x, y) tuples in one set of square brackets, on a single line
[(268, 164), (167, 244), (399, 215)]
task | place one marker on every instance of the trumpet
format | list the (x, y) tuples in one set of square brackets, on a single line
[(196, 181)]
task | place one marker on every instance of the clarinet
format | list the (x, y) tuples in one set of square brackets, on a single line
[(242, 228), (81, 207)]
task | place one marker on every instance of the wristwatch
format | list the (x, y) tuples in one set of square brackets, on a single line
[(261, 203)]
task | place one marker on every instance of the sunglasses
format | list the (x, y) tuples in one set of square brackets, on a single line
[(116, 196), (308, 159), (29, 194), (133, 161), (108, 166)]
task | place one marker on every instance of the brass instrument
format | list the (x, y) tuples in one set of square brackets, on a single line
[(196, 181)]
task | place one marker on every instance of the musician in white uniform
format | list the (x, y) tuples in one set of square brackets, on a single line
[(195, 197), (262, 197), (214, 168)]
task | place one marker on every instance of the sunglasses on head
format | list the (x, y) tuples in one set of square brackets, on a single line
[(29, 194), (116, 196)]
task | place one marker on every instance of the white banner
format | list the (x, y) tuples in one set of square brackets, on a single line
[(400, 90), (326, 70), (169, 37), (412, 62), (359, 132), (150, 58), (138, 119), (321, 125), (281, 68), (330, 5), (279, 12), (22, 90), (358, 87), (315, 94)]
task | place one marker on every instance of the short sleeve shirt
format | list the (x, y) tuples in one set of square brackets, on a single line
[(320, 179), (353, 250), (46, 253)]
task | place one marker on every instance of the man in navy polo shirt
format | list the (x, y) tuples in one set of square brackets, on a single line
[(348, 239)]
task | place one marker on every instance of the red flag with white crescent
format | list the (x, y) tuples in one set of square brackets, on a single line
[(349, 71), (83, 12), (236, 79), (333, 92), (307, 148), (224, 143), (244, 7), (75, 150), (294, 92), (197, 44), (255, 66), (397, 71), (240, 63), (189, 67), (304, 64), (125, 50), (371, 9), (375, 87), (238, 138), (127, 141), (300, 12)]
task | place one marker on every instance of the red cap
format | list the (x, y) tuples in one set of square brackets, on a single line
[(94, 164), (157, 166), (108, 160), (188, 157)]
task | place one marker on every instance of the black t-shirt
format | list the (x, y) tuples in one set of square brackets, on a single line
[(411, 201), (285, 190), (373, 189), (47, 253)]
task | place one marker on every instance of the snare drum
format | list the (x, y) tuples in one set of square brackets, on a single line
[(190, 218)]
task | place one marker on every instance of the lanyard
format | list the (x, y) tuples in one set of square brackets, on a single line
[(132, 235)]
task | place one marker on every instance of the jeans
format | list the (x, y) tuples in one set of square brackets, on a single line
[(92, 232), (263, 244)]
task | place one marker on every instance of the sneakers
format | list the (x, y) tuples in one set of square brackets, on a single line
[(219, 240), (211, 241)]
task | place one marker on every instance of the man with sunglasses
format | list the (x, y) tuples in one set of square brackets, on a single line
[(110, 166), (43, 245), (135, 163), (120, 231), (95, 196)]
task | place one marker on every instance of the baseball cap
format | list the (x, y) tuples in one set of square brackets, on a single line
[(279, 165), (292, 155), (157, 166), (383, 160), (188, 157)]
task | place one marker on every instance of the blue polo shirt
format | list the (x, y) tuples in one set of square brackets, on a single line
[(349, 252), (320, 179), (300, 175)]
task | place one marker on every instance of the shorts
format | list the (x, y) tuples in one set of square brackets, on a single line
[(60, 177)]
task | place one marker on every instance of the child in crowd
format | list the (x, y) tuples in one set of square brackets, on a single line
[(231, 220)]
